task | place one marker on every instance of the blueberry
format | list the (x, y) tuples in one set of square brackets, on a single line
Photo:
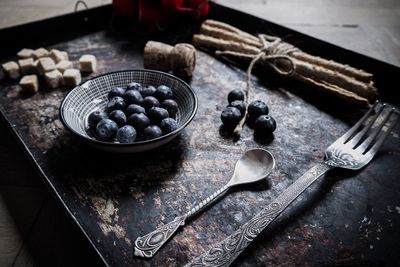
[(235, 95), (133, 97), (171, 106), (95, 117), (116, 102), (151, 132), (118, 116), (149, 102), (264, 124), (168, 125), (239, 104), (116, 91), (157, 114), (126, 134), (106, 129), (134, 108), (148, 91), (163, 92), (139, 121), (230, 116), (133, 86), (257, 108)]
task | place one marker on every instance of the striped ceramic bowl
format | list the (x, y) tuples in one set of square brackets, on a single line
[(92, 95)]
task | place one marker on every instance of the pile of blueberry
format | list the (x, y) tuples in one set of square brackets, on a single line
[(135, 113), (257, 114)]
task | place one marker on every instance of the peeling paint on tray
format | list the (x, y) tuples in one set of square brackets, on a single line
[(108, 214)]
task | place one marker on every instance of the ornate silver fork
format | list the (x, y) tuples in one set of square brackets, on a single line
[(353, 150)]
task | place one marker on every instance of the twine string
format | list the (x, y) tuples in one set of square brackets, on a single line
[(80, 2), (273, 51)]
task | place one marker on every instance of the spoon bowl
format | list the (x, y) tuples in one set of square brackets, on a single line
[(254, 165)]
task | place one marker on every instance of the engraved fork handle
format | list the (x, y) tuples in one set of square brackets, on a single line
[(224, 253), (148, 245)]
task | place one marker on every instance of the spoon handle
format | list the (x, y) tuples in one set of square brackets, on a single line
[(206, 202), (224, 253), (148, 245)]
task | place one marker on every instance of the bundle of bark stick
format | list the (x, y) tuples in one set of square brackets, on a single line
[(344, 81)]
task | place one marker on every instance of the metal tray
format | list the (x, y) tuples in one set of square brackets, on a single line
[(350, 218)]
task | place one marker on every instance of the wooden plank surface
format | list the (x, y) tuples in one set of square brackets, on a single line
[(11, 241), (118, 198), (34, 228), (15, 12), (371, 27), (19, 209), (20, 201)]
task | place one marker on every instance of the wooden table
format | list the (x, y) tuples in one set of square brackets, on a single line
[(41, 208), (369, 27)]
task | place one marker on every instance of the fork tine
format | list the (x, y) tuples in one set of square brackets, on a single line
[(356, 139), (353, 129), (380, 141), (368, 141)]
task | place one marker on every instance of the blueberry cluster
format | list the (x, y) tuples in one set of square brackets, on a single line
[(135, 113), (257, 113)]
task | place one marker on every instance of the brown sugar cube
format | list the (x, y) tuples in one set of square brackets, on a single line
[(53, 78), (11, 68), (46, 64), (63, 65), (36, 65), (25, 53), (27, 66), (87, 63), (56, 55), (29, 83), (65, 55), (72, 77), (40, 52)]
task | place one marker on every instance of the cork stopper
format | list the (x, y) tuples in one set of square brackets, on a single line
[(157, 56), (180, 59), (183, 59)]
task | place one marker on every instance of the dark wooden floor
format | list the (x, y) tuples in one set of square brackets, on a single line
[(34, 229)]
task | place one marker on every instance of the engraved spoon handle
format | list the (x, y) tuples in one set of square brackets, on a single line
[(224, 253), (148, 245)]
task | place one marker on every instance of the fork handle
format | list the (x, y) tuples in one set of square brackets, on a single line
[(224, 253), (148, 245)]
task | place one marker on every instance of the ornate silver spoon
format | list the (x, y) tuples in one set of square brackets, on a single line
[(254, 165)]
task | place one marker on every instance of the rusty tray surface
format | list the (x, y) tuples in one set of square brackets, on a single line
[(347, 219)]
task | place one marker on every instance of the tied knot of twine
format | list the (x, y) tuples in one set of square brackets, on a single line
[(274, 49), (273, 52)]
